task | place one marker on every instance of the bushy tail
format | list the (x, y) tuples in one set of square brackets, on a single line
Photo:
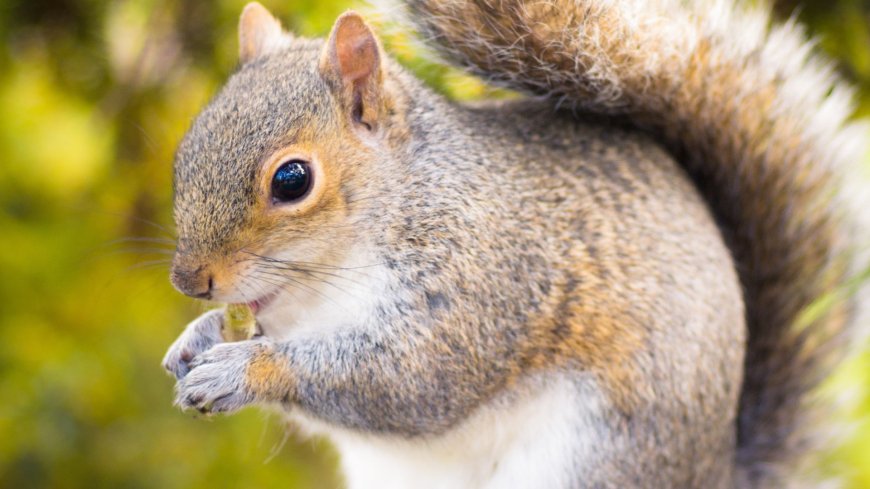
[(757, 120)]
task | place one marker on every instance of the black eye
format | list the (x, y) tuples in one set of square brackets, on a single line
[(291, 181)]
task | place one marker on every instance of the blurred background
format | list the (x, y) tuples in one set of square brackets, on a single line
[(94, 96)]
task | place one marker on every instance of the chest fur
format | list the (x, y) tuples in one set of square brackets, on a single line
[(540, 438)]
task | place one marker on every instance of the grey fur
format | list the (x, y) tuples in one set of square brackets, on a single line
[(215, 382), (198, 337), (518, 242)]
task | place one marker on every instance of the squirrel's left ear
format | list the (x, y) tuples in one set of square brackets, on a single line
[(351, 62), (259, 33)]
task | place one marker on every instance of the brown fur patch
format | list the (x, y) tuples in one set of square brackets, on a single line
[(268, 375)]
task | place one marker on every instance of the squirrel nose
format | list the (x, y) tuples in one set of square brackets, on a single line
[(196, 282)]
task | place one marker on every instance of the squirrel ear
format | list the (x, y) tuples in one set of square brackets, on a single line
[(259, 33), (351, 60)]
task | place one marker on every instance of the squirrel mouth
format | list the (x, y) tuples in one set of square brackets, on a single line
[(261, 303)]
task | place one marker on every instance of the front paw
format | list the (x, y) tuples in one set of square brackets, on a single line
[(218, 379), (200, 335)]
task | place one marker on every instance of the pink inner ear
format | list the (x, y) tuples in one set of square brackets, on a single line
[(356, 50)]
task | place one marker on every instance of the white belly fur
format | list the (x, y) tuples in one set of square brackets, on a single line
[(541, 439)]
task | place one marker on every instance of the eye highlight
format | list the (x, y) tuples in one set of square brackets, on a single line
[(291, 181)]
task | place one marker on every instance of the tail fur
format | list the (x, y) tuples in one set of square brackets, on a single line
[(758, 121)]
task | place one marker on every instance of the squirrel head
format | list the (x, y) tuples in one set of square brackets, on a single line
[(270, 171)]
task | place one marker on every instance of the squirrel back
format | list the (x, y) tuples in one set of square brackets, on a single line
[(759, 123)]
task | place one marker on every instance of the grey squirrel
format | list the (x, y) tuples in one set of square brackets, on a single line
[(602, 285)]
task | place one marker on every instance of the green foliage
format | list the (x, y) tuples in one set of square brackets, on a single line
[(94, 97)]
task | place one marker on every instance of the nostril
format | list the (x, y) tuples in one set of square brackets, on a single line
[(197, 283), (207, 293)]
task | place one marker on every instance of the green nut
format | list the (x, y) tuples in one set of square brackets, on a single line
[(239, 323)]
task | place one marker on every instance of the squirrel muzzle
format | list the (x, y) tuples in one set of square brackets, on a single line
[(191, 277)]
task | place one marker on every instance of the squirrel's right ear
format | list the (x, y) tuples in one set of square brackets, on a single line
[(351, 63), (259, 33)]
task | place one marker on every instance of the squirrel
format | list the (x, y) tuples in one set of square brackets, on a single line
[(606, 283)]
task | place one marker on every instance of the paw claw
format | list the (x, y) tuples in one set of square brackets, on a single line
[(216, 381)]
